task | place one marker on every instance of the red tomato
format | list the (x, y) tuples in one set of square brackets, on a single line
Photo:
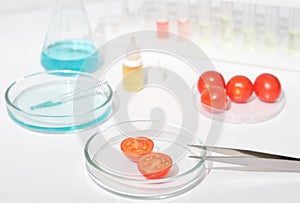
[(239, 89), (155, 165), (267, 87), (215, 97), (210, 78), (135, 148)]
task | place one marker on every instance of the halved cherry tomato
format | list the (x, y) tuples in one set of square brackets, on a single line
[(155, 165), (135, 148), (215, 97), (267, 87), (209, 79), (239, 89)]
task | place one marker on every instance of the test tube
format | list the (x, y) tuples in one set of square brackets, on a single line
[(271, 28), (249, 33), (162, 22), (227, 24), (183, 18), (130, 15), (294, 32), (204, 20)]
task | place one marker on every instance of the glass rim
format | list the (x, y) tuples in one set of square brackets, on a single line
[(11, 86), (91, 162)]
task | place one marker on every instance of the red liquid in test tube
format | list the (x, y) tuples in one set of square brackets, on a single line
[(162, 29)]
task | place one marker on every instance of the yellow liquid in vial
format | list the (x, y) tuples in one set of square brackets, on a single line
[(249, 39), (271, 42), (227, 31), (133, 78), (204, 32), (294, 43)]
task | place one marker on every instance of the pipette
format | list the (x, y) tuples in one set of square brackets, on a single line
[(162, 20), (70, 96)]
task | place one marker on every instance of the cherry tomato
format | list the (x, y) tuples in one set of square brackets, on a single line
[(267, 87), (135, 148), (155, 165), (210, 78), (215, 97), (239, 89)]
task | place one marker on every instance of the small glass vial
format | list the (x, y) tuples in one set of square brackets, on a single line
[(162, 20), (249, 32), (227, 24), (133, 76), (271, 28), (205, 28), (294, 32), (68, 44), (183, 18)]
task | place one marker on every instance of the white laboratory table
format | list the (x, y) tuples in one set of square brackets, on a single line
[(36, 168)]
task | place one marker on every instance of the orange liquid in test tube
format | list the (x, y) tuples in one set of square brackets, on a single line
[(162, 19), (184, 28), (183, 18)]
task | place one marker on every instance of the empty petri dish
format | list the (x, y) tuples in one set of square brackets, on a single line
[(58, 101), (109, 168)]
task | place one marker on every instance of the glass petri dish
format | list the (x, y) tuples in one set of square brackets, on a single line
[(253, 111), (58, 101), (109, 168)]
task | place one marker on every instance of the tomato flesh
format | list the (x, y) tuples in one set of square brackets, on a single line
[(155, 165), (135, 148), (239, 89), (209, 79), (215, 97), (267, 87)]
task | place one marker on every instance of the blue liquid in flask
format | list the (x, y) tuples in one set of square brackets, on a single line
[(71, 55)]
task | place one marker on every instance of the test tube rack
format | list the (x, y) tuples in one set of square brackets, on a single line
[(256, 33)]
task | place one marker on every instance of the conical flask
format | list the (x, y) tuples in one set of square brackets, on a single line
[(68, 43)]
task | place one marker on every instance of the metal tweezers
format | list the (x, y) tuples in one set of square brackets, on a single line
[(248, 160)]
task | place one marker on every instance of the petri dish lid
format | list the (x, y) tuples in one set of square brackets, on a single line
[(253, 111), (109, 168), (58, 101)]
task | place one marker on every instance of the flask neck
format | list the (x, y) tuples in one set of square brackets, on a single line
[(69, 4)]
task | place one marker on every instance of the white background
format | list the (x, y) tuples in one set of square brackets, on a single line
[(51, 168)]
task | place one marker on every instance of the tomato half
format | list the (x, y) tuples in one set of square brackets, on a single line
[(215, 97), (135, 148), (155, 165), (209, 79), (267, 87), (239, 89)]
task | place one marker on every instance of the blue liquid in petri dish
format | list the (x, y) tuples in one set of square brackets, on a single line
[(71, 55), (67, 117)]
